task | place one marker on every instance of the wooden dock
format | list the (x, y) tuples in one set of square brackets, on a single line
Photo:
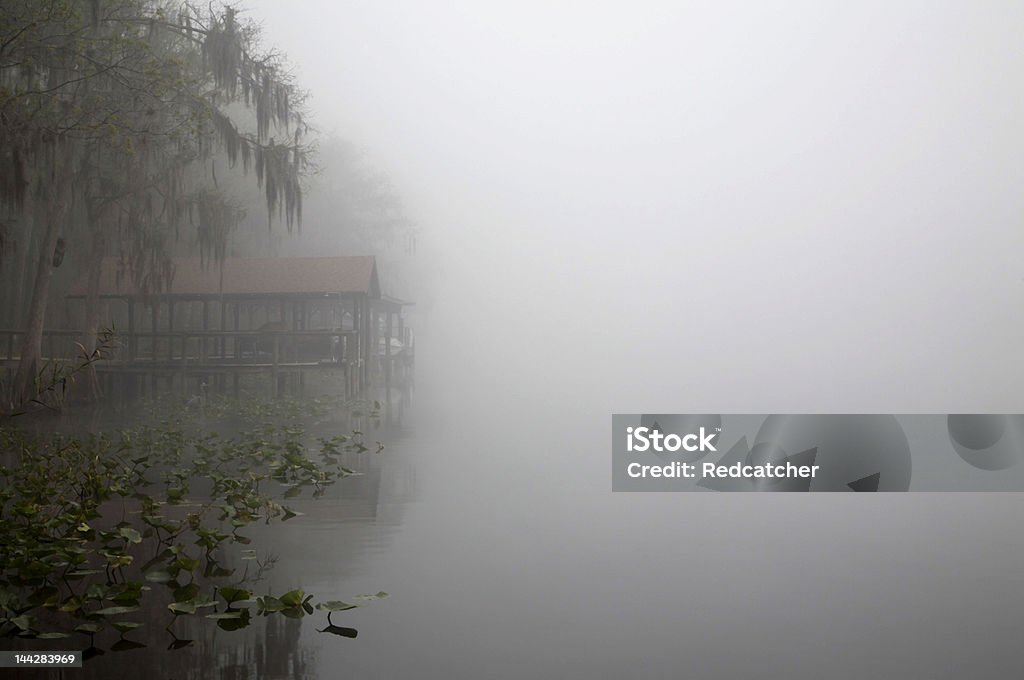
[(191, 362), (273, 322)]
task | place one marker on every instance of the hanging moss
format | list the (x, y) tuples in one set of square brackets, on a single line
[(138, 101)]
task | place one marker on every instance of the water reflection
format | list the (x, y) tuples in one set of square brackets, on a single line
[(491, 522), (325, 550)]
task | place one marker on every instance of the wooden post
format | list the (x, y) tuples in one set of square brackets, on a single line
[(155, 315), (223, 327), (171, 304), (184, 365), (369, 347), (132, 340), (234, 342), (273, 370), (357, 326), (387, 350), (374, 319), (203, 339)]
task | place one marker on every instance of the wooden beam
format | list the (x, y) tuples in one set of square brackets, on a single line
[(387, 350), (223, 327), (133, 342), (234, 341), (154, 316)]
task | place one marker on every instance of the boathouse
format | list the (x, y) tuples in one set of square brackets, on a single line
[(212, 323)]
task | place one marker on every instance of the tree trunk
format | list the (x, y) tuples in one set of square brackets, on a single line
[(21, 270), (31, 349)]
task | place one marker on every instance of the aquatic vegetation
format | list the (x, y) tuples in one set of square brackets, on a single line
[(97, 528), (54, 378)]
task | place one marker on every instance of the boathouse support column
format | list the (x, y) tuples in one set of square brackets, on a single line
[(221, 348), (154, 310), (133, 342), (274, 388), (367, 319), (387, 350), (234, 341)]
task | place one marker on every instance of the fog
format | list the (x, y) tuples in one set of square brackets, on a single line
[(706, 207)]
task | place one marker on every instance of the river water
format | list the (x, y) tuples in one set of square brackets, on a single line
[(490, 521)]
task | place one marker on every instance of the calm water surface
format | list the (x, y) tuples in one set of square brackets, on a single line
[(490, 521)]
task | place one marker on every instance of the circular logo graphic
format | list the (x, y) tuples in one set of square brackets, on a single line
[(852, 452), (988, 442)]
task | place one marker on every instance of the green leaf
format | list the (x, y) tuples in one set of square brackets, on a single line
[(112, 611), (293, 598), (234, 594), (230, 614), (184, 563), (130, 535), (88, 628), (72, 604), (238, 623), (186, 593), (336, 606), (182, 607), (268, 603), (97, 591), (125, 626)]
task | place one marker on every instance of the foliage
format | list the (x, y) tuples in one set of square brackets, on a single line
[(55, 376), (97, 527), (113, 114), (131, 92)]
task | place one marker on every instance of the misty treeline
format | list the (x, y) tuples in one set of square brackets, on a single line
[(132, 128)]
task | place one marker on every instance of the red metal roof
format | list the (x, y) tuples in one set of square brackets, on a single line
[(268, 277)]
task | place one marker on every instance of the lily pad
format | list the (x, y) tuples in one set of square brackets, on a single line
[(125, 626), (336, 606), (112, 611)]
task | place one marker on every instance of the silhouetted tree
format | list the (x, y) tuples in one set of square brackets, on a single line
[(113, 114)]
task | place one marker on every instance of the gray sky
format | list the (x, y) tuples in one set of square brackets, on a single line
[(704, 206)]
